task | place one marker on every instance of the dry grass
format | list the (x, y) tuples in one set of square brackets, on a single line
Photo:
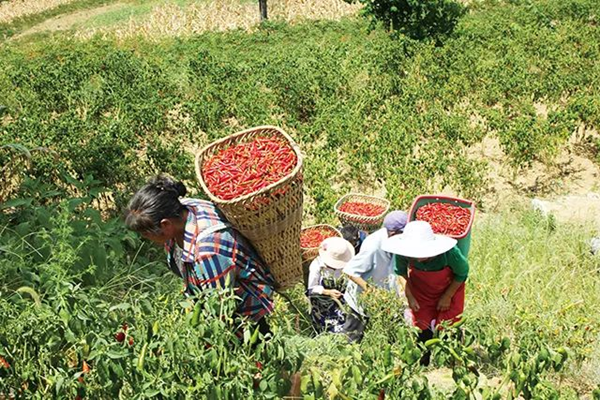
[(221, 15), (14, 9)]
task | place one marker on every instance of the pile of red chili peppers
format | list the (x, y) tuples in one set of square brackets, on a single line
[(445, 218), (312, 237), (248, 167), (362, 209)]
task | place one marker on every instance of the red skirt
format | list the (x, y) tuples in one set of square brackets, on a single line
[(428, 287)]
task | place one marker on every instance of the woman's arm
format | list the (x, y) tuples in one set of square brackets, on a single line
[(460, 268), (359, 265), (314, 278), (412, 301), (359, 281), (446, 299)]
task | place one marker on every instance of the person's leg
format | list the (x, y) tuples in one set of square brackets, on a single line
[(264, 329), (424, 336), (354, 327)]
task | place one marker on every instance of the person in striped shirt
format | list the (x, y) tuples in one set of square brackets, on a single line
[(202, 248)]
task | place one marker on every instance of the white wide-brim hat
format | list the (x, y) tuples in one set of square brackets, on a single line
[(418, 241), (335, 252)]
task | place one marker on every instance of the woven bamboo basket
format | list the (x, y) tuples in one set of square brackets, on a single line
[(270, 218), (310, 253), (369, 224)]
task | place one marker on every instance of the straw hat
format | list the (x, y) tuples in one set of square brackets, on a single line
[(336, 252), (418, 241)]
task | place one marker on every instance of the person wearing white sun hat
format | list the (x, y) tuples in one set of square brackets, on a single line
[(327, 283), (435, 272)]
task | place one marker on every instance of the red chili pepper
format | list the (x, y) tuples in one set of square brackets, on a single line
[(4, 363), (311, 238), (362, 209), (85, 369), (248, 167), (119, 337), (445, 218)]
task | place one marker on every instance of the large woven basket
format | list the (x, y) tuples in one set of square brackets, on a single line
[(310, 253), (270, 218), (369, 224)]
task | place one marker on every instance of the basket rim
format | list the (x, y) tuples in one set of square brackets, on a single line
[(368, 219), (218, 142), (319, 225), (470, 206)]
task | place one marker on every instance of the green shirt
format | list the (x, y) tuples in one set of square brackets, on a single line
[(453, 258)]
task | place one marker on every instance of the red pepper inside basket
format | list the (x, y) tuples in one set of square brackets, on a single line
[(362, 209), (248, 167), (445, 218), (312, 237)]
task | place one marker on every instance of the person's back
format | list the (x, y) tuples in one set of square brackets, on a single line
[(373, 264)]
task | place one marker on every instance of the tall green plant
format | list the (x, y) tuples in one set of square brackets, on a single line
[(418, 19)]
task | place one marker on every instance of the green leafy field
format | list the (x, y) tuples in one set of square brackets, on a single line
[(85, 122)]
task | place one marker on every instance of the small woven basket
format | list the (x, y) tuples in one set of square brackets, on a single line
[(270, 218), (369, 224), (310, 253)]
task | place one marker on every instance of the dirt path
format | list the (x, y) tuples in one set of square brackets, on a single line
[(68, 21), (569, 188), (11, 10)]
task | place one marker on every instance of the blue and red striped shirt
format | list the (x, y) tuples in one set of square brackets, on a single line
[(217, 256)]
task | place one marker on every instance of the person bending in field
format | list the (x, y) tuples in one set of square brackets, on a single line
[(326, 286), (355, 236), (435, 271), (202, 248), (372, 263)]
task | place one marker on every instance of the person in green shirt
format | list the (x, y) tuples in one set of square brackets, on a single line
[(434, 271)]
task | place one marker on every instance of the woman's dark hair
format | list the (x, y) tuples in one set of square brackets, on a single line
[(156, 200)]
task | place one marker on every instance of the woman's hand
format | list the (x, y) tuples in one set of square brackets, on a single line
[(412, 302), (333, 293), (444, 303)]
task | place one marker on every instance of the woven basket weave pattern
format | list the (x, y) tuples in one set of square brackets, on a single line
[(361, 222), (270, 218)]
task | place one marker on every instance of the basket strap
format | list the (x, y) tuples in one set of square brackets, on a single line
[(212, 229)]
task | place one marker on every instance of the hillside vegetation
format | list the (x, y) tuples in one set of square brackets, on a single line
[(84, 122)]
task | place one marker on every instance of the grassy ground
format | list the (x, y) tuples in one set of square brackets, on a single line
[(535, 280)]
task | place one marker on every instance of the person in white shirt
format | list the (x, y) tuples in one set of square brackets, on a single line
[(327, 283), (372, 264)]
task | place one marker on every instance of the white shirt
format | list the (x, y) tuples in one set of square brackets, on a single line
[(371, 264), (318, 270)]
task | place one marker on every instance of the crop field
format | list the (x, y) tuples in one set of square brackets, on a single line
[(504, 108), (156, 19)]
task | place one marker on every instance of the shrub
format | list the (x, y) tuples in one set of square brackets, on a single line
[(418, 19)]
